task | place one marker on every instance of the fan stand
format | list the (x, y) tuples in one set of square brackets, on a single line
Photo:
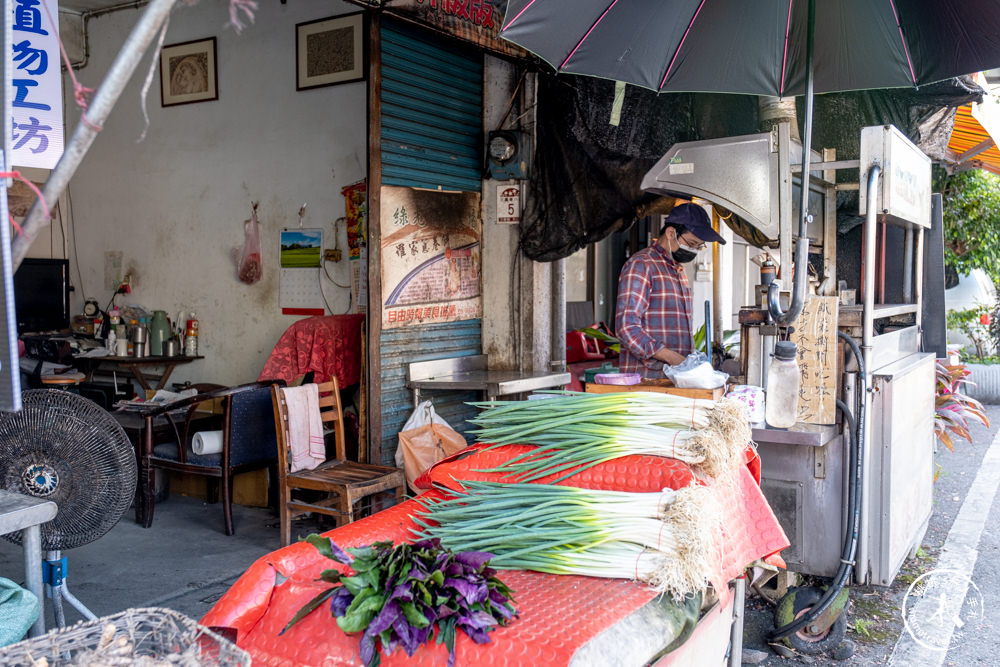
[(54, 575)]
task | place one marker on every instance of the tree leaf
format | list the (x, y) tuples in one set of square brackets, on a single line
[(308, 608)]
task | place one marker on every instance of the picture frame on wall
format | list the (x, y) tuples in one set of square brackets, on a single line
[(330, 51), (188, 72)]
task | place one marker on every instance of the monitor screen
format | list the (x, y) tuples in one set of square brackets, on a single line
[(41, 295)]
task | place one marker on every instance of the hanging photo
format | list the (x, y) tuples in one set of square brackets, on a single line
[(329, 51), (187, 72)]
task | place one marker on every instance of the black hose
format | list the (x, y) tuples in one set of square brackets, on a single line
[(856, 466)]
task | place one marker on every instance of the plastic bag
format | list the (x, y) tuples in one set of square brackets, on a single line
[(424, 440), (426, 445), (695, 372), (248, 266)]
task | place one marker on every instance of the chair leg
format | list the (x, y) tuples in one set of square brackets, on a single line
[(286, 520), (227, 501), (145, 496)]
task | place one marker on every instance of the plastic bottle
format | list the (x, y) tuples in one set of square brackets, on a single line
[(112, 338), (191, 337), (781, 407)]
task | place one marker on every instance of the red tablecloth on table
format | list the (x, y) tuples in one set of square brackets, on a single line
[(327, 345)]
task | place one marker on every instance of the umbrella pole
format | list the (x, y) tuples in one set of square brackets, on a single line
[(801, 277)]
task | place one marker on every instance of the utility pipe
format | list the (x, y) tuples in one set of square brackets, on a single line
[(867, 333), (801, 278), (125, 64), (908, 266)]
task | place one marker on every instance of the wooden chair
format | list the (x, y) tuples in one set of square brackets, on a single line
[(248, 443), (345, 482)]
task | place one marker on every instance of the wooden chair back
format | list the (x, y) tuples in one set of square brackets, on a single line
[(330, 410)]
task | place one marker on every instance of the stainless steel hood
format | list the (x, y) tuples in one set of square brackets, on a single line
[(738, 173)]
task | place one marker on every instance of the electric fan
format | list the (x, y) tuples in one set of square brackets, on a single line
[(67, 449)]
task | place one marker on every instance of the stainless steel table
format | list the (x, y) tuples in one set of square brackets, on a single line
[(471, 374), (26, 513)]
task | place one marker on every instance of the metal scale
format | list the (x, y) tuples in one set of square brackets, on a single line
[(805, 469)]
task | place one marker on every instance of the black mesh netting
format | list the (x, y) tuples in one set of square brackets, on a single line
[(584, 182), (67, 449)]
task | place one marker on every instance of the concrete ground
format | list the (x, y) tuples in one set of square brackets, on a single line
[(184, 562)]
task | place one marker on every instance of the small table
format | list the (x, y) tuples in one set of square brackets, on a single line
[(470, 373), (138, 366), (27, 513)]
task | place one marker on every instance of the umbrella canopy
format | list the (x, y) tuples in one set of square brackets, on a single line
[(759, 47)]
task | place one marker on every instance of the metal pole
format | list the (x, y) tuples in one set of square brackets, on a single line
[(32, 539), (801, 278), (736, 632), (908, 266), (107, 95), (558, 301), (867, 333)]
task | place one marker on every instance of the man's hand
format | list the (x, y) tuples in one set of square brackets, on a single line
[(668, 356)]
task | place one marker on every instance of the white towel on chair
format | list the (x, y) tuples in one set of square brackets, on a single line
[(305, 427)]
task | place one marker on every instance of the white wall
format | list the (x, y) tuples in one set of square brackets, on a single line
[(174, 204)]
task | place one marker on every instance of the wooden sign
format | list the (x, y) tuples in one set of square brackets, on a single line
[(815, 336)]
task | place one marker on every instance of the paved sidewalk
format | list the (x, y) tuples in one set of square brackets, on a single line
[(963, 536)]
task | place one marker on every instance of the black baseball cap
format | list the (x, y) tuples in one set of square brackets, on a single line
[(696, 220)]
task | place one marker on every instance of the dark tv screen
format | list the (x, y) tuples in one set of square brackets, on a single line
[(41, 295)]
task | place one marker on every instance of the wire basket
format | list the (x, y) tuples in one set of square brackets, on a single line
[(146, 637)]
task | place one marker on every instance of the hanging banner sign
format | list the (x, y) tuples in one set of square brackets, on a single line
[(476, 21), (36, 85), (431, 270)]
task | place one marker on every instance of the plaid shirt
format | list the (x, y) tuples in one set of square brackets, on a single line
[(653, 311)]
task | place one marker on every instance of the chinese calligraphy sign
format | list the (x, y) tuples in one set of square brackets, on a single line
[(36, 85), (815, 336)]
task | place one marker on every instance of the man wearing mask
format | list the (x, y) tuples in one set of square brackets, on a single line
[(653, 314)]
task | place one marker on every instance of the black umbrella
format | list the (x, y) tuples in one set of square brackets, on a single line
[(763, 47)]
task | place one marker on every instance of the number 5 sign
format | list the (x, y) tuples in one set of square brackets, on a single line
[(508, 204)]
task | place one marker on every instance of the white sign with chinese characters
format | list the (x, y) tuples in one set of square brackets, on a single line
[(36, 85), (508, 204)]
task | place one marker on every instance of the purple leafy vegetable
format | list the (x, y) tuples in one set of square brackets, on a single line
[(399, 595)]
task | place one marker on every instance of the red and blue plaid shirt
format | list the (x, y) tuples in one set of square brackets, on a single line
[(653, 311)]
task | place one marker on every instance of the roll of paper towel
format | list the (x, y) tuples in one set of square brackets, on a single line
[(207, 442)]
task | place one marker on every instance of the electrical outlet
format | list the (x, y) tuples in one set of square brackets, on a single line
[(331, 254)]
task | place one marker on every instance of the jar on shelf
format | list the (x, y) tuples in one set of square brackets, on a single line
[(781, 406)]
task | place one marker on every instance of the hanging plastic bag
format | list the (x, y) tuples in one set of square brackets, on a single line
[(695, 372), (248, 266)]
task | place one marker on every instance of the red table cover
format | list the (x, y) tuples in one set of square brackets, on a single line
[(327, 345)]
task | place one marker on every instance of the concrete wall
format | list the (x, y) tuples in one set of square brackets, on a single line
[(174, 204), (517, 308)]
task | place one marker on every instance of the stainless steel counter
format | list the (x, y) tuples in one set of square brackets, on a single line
[(809, 435), (23, 513), (471, 374)]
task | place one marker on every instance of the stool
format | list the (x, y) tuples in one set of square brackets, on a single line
[(63, 380)]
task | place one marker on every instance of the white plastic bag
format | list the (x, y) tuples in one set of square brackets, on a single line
[(422, 415), (695, 372)]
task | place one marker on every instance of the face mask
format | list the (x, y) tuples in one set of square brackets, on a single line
[(684, 254)]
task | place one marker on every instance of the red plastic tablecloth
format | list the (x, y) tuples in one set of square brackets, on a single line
[(558, 614), (327, 345)]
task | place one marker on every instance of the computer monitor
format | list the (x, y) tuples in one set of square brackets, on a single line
[(41, 295)]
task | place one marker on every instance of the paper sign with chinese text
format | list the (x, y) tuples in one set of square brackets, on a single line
[(508, 204), (430, 256), (815, 337), (36, 85)]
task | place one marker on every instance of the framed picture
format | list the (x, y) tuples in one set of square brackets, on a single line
[(187, 72), (330, 51)]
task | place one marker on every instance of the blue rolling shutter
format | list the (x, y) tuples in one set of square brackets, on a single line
[(431, 101)]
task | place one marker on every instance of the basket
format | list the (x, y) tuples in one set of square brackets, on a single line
[(146, 637)]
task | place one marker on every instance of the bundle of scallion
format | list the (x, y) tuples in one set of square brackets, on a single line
[(664, 539), (573, 429)]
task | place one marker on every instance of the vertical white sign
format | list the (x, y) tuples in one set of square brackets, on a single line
[(36, 85), (509, 204)]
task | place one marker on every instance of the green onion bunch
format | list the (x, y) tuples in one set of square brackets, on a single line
[(572, 429), (664, 539)]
